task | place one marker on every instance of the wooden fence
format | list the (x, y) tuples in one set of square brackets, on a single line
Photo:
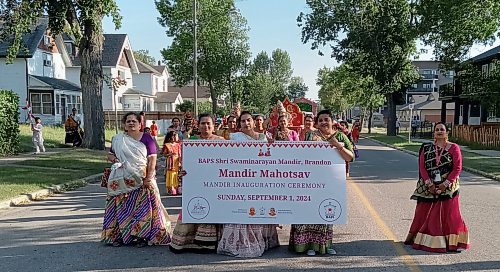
[(485, 135), (109, 117)]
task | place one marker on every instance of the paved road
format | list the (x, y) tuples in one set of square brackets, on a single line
[(62, 232)]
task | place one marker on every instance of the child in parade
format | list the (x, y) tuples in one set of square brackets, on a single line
[(37, 135)]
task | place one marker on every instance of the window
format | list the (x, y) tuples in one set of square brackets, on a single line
[(414, 86), (41, 103), (79, 103), (156, 84), (426, 72), (427, 86), (47, 60), (58, 104), (164, 85), (485, 69), (491, 67), (434, 72)]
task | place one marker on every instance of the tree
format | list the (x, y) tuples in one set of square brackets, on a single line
[(267, 80), (342, 88), (453, 27), (297, 88), (377, 38), (281, 72), (83, 19), (144, 56), (378, 43), (222, 42), (185, 106)]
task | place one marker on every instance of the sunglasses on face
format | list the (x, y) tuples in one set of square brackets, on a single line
[(440, 129)]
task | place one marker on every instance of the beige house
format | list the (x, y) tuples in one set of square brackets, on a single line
[(187, 93), (425, 108)]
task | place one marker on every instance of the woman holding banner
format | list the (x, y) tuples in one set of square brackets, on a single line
[(247, 240), (317, 238), (198, 238), (134, 213)]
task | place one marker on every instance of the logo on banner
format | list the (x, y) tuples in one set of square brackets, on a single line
[(198, 208), (330, 210), (266, 153), (272, 212)]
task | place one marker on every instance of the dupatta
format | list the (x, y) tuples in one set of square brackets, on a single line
[(126, 175)]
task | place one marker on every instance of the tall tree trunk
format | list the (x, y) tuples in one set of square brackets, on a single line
[(213, 95), (370, 116), (391, 114), (91, 78)]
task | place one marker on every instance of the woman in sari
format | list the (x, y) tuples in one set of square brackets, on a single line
[(308, 126), (356, 130), (438, 225), (282, 132), (247, 240), (231, 127), (172, 151), (198, 238), (134, 212), (317, 238)]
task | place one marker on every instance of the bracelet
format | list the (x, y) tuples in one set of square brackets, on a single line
[(428, 183), (446, 183)]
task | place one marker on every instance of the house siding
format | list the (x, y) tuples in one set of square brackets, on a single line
[(13, 78)]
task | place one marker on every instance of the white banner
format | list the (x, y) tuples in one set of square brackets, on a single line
[(261, 183)]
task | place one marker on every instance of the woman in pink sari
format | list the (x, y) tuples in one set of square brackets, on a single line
[(282, 132), (438, 225)]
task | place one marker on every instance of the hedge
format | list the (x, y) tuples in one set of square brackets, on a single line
[(9, 127)]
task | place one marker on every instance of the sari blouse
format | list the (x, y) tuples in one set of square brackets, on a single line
[(450, 167), (315, 135)]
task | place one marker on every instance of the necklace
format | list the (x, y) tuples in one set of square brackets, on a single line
[(207, 138), (325, 138), (251, 136)]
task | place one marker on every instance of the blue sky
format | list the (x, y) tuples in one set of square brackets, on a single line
[(272, 25)]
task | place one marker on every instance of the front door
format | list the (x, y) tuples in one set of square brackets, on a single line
[(64, 112)]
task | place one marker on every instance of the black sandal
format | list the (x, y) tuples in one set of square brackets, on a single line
[(118, 243), (141, 242)]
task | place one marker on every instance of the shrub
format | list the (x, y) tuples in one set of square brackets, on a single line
[(9, 127)]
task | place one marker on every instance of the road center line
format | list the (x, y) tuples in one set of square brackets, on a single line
[(402, 252)]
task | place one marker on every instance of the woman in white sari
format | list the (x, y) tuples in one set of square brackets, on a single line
[(247, 240), (134, 212)]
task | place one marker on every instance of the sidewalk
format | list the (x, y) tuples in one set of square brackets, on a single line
[(487, 153), (29, 155)]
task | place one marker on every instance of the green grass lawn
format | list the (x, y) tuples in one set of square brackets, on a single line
[(53, 137), (72, 164), (484, 163)]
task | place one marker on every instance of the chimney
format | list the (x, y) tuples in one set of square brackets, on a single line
[(159, 63)]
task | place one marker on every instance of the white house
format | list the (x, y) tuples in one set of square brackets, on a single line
[(168, 101), (118, 62), (38, 75), (187, 93)]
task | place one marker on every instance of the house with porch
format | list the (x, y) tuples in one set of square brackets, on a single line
[(468, 110), (38, 75)]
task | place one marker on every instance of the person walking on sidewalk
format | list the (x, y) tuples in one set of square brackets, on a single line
[(438, 225), (37, 135)]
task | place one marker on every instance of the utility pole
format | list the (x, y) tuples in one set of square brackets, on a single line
[(195, 61)]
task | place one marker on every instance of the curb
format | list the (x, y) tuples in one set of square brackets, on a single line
[(468, 169), (44, 193)]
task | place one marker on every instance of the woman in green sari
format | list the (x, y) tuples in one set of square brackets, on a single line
[(317, 238)]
